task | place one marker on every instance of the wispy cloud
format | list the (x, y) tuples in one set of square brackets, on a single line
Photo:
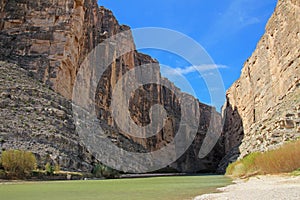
[(192, 69), (249, 21), (238, 15)]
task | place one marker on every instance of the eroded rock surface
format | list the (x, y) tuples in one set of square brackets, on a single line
[(262, 108), (50, 40), (35, 118)]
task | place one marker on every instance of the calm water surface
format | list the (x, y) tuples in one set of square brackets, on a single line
[(158, 188)]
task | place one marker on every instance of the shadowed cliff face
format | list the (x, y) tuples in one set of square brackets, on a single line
[(51, 39), (266, 96), (233, 132)]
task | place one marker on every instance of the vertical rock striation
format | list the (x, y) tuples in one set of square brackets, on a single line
[(263, 106), (50, 39)]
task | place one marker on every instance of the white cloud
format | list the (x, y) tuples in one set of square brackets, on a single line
[(238, 15), (250, 21), (192, 69), (241, 13)]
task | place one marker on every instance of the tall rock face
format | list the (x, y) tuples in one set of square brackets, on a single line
[(48, 39), (51, 40), (263, 106)]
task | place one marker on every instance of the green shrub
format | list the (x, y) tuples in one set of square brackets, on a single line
[(230, 168), (101, 170), (2, 174), (18, 164), (97, 171), (49, 169), (109, 172), (243, 167), (296, 172)]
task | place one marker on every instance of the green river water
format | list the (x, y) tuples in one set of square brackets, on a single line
[(156, 188)]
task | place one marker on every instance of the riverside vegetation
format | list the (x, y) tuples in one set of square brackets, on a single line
[(17, 164), (282, 160)]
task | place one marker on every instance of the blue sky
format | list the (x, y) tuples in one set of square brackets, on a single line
[(228, 30)]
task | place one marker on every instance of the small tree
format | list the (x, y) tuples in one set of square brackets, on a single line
[(56, 168), (49, 169), (18, 163)]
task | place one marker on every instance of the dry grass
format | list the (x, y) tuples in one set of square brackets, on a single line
[(285, 159), (282, 160)]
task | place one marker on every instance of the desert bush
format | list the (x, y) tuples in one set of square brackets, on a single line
[(109, 172), (56, 168), (97, 171), (101, 170), (244, 166), (281, 160), (18, 164), (296, 172), (49, 169)]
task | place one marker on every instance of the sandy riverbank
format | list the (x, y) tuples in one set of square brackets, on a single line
[(261, 187)]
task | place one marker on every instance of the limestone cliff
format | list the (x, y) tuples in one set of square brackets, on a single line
[(50, 39), (263, 106)]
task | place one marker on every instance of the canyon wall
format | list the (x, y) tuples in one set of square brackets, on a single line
[(50, 40), (35, 118), (262, 110)]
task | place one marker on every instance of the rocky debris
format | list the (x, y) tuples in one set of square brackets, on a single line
[(50, 40), (259, 187), (35, 118), (262, 109)]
